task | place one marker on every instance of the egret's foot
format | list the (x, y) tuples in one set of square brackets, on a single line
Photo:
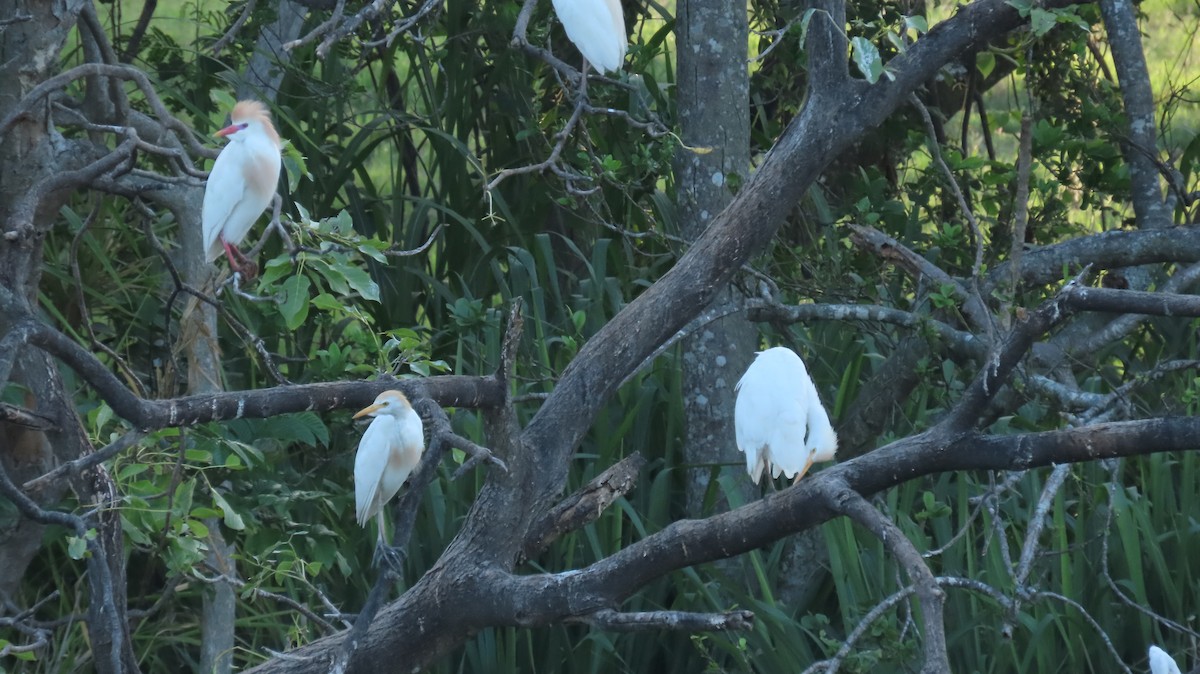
[(392, 557), (247, 269)]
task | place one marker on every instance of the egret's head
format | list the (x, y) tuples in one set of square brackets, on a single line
[(249, 118), (388, 402)]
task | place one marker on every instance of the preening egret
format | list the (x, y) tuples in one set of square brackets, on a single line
[(597, 27), (778, 418), (1161, 662), (387, 453), (242, 183)]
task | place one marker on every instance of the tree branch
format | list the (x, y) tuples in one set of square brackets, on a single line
[(1141, 147), (678, 621), (839, 497), (584, 506)]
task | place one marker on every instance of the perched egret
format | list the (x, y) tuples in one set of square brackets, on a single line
[(1161, 662), (778, 418), (387, 453), (597, 27), (242, 183)]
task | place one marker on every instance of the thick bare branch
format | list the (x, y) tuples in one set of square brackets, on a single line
[(585, 505)]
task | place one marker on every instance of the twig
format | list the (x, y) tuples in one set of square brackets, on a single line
[(976, 232), (561, 139), (27, 418), (240, 584), (392, 252), (99, 577), (234, 28), (86, 461), (888, 248)]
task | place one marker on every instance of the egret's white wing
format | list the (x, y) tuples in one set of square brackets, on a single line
[(222, 194), (260, 173), (778, 417), (370, 462), (406, 444), (769, 417), (597, 27), (1161, 662)]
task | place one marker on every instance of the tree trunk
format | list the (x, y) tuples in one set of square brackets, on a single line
[(713, 85)]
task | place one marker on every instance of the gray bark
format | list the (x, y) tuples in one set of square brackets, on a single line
[(713, 103)]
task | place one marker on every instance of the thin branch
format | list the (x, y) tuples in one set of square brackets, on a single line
[(27, 418), (959, 340), (256, 591), (996, 372), (86, 461), (234, 28), (888, 248), (120, 72), (560, 143), (393, 252), (657, 621)]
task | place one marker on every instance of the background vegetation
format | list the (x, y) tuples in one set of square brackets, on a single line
[(392, 143)]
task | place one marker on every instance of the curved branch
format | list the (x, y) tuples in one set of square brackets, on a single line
[(841, 498)]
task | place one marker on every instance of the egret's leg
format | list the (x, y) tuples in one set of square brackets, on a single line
[(393, 557), (239, 262), (583, 80), (807, 465)]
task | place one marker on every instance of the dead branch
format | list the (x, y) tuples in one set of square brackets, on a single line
[(584, 506)]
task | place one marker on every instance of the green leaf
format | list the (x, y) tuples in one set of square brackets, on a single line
[(327, 302), (917, 23), (1041, 21), (1021, 6), (985, 62), (866, 57), (76, 547), (232, 519), (362, 283), (198, 528), (294, 306)]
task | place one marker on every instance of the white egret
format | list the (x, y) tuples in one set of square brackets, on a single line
[(242, 183), (597, 27), (778, 418), (1161, 662), (388, 452)]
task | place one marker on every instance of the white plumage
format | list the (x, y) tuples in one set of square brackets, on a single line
[(597, 27), (778, 417), (1161, 662), (387, 454), (243, 181)]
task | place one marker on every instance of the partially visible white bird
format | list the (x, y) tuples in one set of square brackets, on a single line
[(778, 418), (597, 27), (388, 452), (1161, 662), (242, 183)]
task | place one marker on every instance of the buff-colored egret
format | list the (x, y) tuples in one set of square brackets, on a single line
[(242, 183), (388, 452), (778, 419), (597, 27), (1161, 662)]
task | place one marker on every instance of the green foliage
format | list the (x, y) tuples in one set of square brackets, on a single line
[(395, 149)]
